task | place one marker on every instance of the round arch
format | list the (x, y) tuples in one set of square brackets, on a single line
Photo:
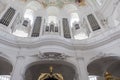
[(34, 5), (52, 11), (5, 68), (69, 8), (31, 8), (59, 66), (99, 66), (114, 69)]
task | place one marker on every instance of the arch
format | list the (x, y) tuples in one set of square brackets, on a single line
[(70, 8), (114, 69), (34, 5), (5, 68), (59, 67), (29, 14), (99, 66), (4, 58), (74, 18), (31, 8), (53, 11)]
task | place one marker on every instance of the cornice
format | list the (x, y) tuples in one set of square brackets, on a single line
[(87, 44)]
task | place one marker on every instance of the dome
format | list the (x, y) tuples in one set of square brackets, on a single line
[(59, 40), (70, 19)]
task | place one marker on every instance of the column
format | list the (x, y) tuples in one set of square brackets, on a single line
[(82, 69), (17, 70)]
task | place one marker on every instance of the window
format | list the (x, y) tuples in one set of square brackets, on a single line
[(76, 26), (52, 27), (56, 29), (74, 19), (52, 19), (29, 15), (5, 77), (51, 24), (47, 29), (25, 23), (92, 77), (20, 33)]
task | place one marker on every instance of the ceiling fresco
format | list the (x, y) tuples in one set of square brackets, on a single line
[(59, 3)]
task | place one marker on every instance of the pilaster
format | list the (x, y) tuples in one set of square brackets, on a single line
[(82, 69), (17, 71)]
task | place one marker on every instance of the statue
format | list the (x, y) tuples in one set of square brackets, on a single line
[(51, 75), (108, 76)]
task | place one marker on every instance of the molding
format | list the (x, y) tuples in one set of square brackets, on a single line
[(52, 56), (91, 43)]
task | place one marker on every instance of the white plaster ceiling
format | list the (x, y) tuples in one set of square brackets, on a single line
[(59, 3)]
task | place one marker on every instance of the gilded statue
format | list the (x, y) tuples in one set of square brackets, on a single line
[(51, 75), (108, 76)]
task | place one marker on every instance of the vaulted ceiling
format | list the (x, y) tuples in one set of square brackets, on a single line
[(58, 3)]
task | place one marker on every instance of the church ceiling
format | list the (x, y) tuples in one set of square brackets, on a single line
[(58, 3)]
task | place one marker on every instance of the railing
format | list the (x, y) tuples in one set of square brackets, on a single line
[(4, 77)]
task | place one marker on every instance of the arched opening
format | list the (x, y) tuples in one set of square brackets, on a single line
[(28, 19), (114, 69), (52, 20), (75, 20), (99, 68), (77, 24), (5, 69), (40, 68)]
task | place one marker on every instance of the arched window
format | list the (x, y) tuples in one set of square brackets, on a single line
[(29, 14), (52, 19), (22, 30), (29, 22), (74, 19), (52, 24)]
